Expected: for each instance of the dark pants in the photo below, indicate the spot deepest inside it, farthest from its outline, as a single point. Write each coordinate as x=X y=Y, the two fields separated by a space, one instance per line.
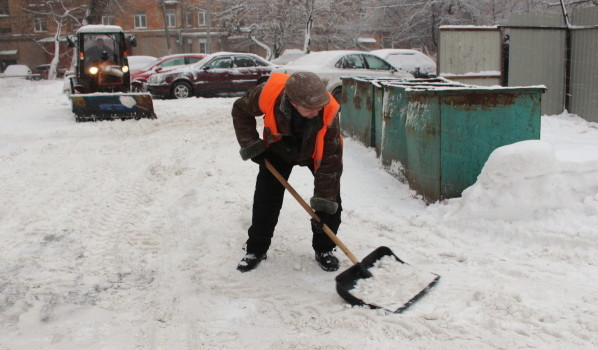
x=267 y=202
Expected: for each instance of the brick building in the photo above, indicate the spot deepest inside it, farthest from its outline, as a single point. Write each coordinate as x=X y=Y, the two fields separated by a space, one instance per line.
x=161 y=26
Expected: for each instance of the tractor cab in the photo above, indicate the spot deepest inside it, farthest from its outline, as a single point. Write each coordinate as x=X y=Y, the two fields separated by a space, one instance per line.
x=102 y=59
x=102 y=67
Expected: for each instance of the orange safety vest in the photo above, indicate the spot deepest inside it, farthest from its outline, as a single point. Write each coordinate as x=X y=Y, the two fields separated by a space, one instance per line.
x=270 y=93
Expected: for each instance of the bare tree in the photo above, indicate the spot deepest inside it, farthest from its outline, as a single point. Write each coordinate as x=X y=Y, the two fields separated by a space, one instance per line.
x=310 y=9
x=164 y=18
x=97 y=8
x=63 y=13
x=276 y=25
x=339 y=24
x=268 y=24
x=415 y=22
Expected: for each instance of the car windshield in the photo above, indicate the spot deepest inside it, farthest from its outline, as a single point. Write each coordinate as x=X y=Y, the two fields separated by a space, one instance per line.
x=411 y=61
x=313 y=59
x=149 y=65
x=351 y=62
x=174 y=61
x=220 y=62
x=376 y=63
x=201 y=62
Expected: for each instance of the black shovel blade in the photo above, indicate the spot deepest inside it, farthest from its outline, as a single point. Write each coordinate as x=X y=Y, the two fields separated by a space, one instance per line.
x=346 y=281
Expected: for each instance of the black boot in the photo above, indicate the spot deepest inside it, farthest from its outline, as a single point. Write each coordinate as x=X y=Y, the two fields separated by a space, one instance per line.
x=250 y=261
x=327 y=261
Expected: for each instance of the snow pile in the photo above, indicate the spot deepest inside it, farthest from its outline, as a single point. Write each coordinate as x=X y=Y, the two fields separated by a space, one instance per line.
x=392 y=285
x=126 y=235
x=526 y=180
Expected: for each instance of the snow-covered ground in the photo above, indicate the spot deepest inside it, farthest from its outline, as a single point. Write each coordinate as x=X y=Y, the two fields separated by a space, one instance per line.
x=126 y=235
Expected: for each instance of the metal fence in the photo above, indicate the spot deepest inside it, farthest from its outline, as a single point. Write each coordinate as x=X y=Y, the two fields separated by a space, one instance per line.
x=471 y=54
x=535 y=49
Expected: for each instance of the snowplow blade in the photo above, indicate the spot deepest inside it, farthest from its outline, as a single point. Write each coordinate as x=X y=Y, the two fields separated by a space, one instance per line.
x=103 y=106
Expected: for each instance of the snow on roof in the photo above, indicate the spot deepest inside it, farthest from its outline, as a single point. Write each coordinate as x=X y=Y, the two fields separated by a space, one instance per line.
x=96 y=28
x=489 y=73
x=438 y=84
x=469 y=27
x=367 y=40
x=317 y=58
x=51 y=39
x=8 y=52
x=292 y=52
x=396 y=51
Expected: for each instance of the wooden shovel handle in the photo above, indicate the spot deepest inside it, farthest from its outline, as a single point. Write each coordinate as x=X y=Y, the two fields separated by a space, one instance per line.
x=310 y=211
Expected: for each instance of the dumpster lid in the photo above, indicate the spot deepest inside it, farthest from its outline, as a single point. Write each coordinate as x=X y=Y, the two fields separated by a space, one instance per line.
x=460 y=88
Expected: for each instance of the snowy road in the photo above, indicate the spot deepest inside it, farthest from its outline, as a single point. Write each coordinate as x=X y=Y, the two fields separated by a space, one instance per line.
x=127 y=234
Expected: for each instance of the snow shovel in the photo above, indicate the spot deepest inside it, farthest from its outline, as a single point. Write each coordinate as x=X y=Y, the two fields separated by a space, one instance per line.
x=347 y=281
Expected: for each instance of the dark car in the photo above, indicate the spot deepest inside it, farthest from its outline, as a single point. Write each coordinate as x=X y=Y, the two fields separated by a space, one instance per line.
x=44 y=69
x=162 y=65
x=218 y=74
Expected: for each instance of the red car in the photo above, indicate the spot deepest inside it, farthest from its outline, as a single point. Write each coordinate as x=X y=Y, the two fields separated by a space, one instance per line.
x=218 y=74
x=163 y=64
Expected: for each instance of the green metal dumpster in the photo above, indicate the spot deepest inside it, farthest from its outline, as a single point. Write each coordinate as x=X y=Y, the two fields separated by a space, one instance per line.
x=363 y=102
x=358 y=107
x=442 y=136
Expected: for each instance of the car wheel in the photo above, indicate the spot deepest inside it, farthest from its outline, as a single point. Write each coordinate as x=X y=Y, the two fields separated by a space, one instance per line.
x=181 y=90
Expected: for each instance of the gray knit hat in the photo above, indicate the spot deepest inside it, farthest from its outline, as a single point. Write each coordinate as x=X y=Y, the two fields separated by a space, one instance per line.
x=307 y=90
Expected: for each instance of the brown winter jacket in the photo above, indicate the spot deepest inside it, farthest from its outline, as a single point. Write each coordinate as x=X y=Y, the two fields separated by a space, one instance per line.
x=327 y=177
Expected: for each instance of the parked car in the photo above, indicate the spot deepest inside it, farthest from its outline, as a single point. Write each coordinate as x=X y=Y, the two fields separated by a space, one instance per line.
x=162 y=65
x=44 y=69
x=412 y=61
x=330 y=66
x=19 y=71
x=136 y=63
x=218 y=74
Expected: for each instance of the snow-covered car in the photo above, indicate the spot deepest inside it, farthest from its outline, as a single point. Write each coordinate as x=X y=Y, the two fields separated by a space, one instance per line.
x=330 y=66
x=136 y=63
x=412 y=61
x=19 y=71
x=162 y=65
x=218 y=74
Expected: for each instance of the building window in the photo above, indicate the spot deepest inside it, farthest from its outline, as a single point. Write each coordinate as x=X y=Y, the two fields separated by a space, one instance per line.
x=189 y=47
x=40 y=24
x=4 y=7
x=108 y=20
x=189 y=18
x=140 y=19
x=203 y=46
x=171 y=18
x=201 y=18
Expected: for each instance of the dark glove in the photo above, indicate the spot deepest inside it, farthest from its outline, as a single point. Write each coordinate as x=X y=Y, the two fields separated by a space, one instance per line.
x=267 y=154
x=318 y=227
x=259 y=159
